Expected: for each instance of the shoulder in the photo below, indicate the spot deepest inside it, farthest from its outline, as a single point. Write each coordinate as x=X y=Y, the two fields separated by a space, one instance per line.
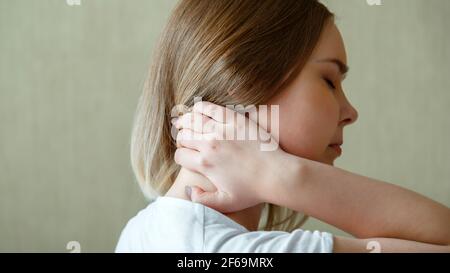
x=165 y=225
x=130 y=239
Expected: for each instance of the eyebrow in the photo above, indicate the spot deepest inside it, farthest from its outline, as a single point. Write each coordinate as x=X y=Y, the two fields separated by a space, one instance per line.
x=343 y=68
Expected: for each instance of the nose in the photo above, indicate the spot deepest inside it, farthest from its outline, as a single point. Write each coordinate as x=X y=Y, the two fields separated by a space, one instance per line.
x=349 y=114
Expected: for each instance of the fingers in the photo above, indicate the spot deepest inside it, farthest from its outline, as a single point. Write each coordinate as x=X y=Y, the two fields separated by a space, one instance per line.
x=204 y=112
x=193 y=140
x=214 y=111
x=207 y=117
x=188 y=158
x=229 y=117
x=216 y=200
x=197 y=122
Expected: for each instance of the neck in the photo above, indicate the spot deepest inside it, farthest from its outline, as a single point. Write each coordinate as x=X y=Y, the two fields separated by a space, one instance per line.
x=249 y=217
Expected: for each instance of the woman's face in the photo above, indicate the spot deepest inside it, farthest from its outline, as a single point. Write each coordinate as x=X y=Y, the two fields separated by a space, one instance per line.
x=313 y=109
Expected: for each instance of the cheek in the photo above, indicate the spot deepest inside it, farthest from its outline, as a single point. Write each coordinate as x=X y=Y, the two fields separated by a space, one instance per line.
x=307 y=126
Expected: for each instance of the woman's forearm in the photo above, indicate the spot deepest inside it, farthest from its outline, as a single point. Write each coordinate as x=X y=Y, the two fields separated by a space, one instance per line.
x=359 y=205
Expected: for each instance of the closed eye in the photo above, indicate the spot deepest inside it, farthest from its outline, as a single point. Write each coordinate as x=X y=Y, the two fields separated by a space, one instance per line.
x=330 y=83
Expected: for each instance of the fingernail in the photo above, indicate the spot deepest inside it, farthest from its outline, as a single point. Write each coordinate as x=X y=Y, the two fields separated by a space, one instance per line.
x=188 y=191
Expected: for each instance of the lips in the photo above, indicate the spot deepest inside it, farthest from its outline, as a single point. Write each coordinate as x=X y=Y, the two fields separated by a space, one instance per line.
x=337 y=148
x=337 y=143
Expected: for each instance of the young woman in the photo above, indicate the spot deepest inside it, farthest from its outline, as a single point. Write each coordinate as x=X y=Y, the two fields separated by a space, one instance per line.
x=264 y=52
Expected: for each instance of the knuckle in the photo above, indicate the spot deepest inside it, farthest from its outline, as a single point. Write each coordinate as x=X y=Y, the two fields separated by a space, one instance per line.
x=183 y=135
x=211 y=149
x=213 y=144
x=203 y=162
x=198 y=106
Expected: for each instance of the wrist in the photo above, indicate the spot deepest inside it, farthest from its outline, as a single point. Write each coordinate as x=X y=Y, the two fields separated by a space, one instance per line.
x=286 y=179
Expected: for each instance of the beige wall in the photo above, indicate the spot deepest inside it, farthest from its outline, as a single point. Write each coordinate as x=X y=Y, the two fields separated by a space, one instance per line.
x=69 y=81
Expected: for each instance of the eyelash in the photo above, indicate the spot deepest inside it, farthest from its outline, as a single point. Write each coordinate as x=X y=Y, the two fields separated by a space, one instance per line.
x=330 y=83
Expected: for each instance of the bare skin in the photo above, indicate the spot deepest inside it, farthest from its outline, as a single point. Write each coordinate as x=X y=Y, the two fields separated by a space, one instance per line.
x=316 y=105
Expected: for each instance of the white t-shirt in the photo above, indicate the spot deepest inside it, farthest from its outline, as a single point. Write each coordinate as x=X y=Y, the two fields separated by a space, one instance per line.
x=171 y=224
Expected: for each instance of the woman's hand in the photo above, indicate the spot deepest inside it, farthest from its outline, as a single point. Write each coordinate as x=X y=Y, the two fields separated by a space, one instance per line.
x=242 y=172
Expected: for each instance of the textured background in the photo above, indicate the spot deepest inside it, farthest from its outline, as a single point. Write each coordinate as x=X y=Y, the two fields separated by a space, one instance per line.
x=70 y=77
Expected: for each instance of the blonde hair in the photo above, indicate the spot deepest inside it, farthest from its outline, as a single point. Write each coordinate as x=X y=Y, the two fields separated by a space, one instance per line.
x=227 y=52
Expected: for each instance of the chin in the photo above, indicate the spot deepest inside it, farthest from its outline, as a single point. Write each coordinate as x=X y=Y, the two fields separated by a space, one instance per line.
x=327 y=161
